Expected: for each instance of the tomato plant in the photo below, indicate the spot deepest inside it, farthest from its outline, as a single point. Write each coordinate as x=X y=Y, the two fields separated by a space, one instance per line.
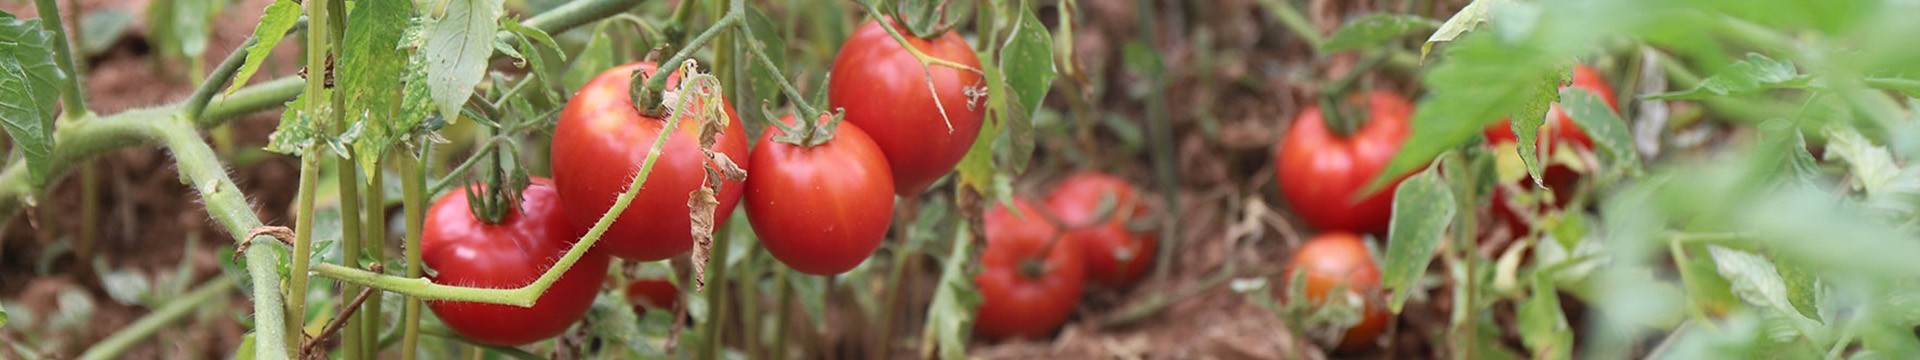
x=465 y=250
x=600 y=143
x=1115 y=253
x=652 y=294
x=923 y=130
x=1030 y=279
x=1333 y=261
x=1320 y=172
x=1557 y=134
x=819 y=208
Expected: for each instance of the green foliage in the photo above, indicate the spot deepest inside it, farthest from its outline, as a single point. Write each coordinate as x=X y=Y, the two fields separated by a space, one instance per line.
x=1601 y=124
x=371 y=68
x=1027 y=63
x=1467 y=19
x=1756 y=73
x=597 y=56
x=280 y=17
x=1374 y=30
x=29 y=89
x=300 y=130
x=1422 y=208
x=458 y=45
x=950 y=317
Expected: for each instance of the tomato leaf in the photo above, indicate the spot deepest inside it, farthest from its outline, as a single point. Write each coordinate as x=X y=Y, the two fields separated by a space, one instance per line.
x=950 y=316
x=1871 y=166
x=1422 y=208
x=1602 y=125
x=191 y=20
x=612 y=318
x=1803 y=287
x=102 y=27
x=458 y=46
x=299 y=130
x=597 y=56
x=766 y=36
x=371 y=67
x=3 y=315
x=1375 y=30
x=1467 y=19
x=1482 y=79
x=279 y=18
x=1756 y=73
x=1755 y=280
x=976 y=168
x=29 y=91
x=1026 y=63
x=1538 y=96
x=1543 y=325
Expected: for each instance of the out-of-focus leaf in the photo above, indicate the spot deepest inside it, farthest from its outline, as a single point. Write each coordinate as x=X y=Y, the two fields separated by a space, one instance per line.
x=125 y=286
x=370 y=72
x=1756 y=73
x=102 y=27
x=1026 y=62
x=1754 y=278
x=766 y=36
x=613 y=319
x=1467 y=19
x=1543 y=325
x=1602 y=125
x=245 y=350
x=191 y=20
x=1539 y=95
x=3 y=315
x=950 y=317
x=1803 y=288
x=1422 y=208
x=1375 y=30
x=273 y=26
x=29 y=84
x=458 y=46
x=1483 y=79
x=597 y=56
x=1871 y=167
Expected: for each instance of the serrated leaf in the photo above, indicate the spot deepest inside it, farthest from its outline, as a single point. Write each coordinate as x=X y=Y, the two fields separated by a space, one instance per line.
x=1375 y=30
x=1483 y=79
x=1870 y=165
x=1538 y=96
x=299 y=129
x=592 y=59
x=457 y=49
x=1601 y=124
x=766 y=36
x=370 y=72
x=278 y=18
x=1467 y=19
x=29 y=84
x=1754 y=279
x=1026 y=62
x=1756 y=73
x=1422 y=208
x=950 y=316
x=1803 y=287
x=1543 y=325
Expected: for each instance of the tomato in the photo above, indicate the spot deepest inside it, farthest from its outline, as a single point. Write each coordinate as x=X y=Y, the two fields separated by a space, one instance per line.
x=598 y=147
x=1320 y=172
x=1115 y=255
x=652 y=294
x=884 y=90
x=467 y=251
x=1558 y=178
x=1339 y=259
x=1026 y=289
x=1561 y=128
x=821 y=209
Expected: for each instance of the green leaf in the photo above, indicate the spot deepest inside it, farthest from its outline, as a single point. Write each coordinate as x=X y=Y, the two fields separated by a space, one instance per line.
x=1375 y=30
x=1871 y=166
x=612 y=318
x=299 y=130
x=597 y=56
x=1602 y=125
x=1467 y=19
x=457 y=49
x=1538 y=96
x=273 y=26
x=1543 y=325
x=245 y=350
x=766 y=36
x=533 y=35
x=371 y=67
x=1754 y=279
x=1803 y=287
x=103 y=27
x=1026 y=62
x=950 y=316
x=29 y=90
x=1422 y=208
x=976 y=168
x=191 y=19
x=1482 y=79
x=1756 y=73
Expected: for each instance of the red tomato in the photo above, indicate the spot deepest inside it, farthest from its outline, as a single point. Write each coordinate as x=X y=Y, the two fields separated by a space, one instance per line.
x=598 y=147
x=821 y=209
x=1115 y=255
x=1320 y=172
x=466 y=251
x=652 y=294
x=1027 y=290
x=1341 y=260
x=1559 y=179
x=884 y=90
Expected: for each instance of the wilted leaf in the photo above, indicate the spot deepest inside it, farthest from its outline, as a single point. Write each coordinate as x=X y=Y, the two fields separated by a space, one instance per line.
x=1375 y=30
x=273 y=26
x=458 y=46
x=1422 y=208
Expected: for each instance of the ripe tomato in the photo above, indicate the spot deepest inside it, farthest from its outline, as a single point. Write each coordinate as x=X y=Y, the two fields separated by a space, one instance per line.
x=467 y=251
x=884 y=90
x=821 y=209
x=652 y=294
x=1115 y=256
x=598 y=147
x=1341 y=260
x=1561 y=129
x=1320 y=172
x=1027 y=290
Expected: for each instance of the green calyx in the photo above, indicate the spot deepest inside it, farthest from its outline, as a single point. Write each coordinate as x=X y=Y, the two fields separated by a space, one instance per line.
x=808 y=133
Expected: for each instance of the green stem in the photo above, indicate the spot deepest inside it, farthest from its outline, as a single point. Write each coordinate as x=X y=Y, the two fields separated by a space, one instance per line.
x=375 y=240
x=901 y=261
x=117 y=344
x=784 y=297
x=1160 y=131
x=229 y=207
x=807 y=111
x=349 y=182
x=1295 y=22
x=302 y=246
x=71 y=96
x=412 y=179
x=453 y=177
x=655 y=107
x=716 y=297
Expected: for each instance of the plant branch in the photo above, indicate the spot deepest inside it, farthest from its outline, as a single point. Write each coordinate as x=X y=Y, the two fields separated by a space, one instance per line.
x=658 y=83
x=71 y=96
x=412 y=174
x=117 y=344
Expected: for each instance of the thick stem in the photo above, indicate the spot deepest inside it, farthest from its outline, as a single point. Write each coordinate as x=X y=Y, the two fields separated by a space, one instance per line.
x=302 y=247
x=784 y=297
x=71 y=96
x=349 y=182
x=89 y=219
x=117 y=344
x=375 y=240
x=229 y=207
x=412 y=181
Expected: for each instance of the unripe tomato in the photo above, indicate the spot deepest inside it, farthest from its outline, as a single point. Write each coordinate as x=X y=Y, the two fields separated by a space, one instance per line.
x=884 y=90
x=1116 y=256
x=466 y=251
x=1337 y=259
x=1560 y=129
x=821 y=209
x=652 y=294
x=1026 y=289
x=598 y=147
x=1320 y=172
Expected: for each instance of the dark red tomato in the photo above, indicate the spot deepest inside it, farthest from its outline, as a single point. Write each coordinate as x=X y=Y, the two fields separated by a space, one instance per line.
x=1559 y=179
x=1027 y=289
x=1562 y=128
x=1320 y=172
x=1338 y=259
x=657 y=294
x=598 y=147
x=1115 y=255
x=466 y=251
x=884 y=90
x=821 y=209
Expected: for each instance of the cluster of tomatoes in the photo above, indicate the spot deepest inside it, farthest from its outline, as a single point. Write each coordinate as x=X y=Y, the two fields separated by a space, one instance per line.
x=1320 y=174
x=820 y=202
x=1039 y=258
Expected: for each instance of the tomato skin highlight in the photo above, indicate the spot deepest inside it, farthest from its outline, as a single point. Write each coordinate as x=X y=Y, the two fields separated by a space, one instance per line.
x=466 y=251
x=1116 y=257
x=1014 y=304
x=1338 y=259
x=884 y=90
x=1320 y=172
x=599 y=145
x=652 y=294
x=824 y=209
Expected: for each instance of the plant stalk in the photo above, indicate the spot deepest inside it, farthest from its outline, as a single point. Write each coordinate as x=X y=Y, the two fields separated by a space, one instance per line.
x=72 y=97
x=374 y=240
x=412 y=180
x=349 y=182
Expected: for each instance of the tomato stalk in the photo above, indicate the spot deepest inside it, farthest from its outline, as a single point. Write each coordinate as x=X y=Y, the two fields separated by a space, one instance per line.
x=375 y=243
x=73 y=99
x=349 y=182
x=783 y=310
x=413 y=174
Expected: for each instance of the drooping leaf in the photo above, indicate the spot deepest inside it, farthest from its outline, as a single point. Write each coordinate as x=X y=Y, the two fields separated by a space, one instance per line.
x=1026 y=62
x=1423 y=206
x=1537 y=97
x=1374 y=30
x=950 y=317
x=458 y=46
x=1756 y=73
x=279 y=17
x=371 y=66
x=29 y=84
x=1602 y=125
x=1467 y=19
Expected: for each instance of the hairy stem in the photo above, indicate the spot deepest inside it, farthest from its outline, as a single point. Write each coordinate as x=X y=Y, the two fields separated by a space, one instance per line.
x=228 y=206
x=302 y=245
x=658 y=83
x=71 y=96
